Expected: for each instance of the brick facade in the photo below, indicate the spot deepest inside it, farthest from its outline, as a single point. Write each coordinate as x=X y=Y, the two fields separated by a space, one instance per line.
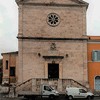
x=94 y=65
x=10 y=61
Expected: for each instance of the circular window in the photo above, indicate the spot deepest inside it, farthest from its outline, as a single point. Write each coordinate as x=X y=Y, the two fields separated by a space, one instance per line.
x=53 y=19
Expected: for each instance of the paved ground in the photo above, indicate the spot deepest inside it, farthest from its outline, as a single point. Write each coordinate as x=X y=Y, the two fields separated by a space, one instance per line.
x=61 y=98
x=3 y=97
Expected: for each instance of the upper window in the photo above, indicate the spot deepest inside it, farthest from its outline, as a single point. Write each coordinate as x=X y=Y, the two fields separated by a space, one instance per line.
x=6 y=64
x=53 y=19
x=96 y=55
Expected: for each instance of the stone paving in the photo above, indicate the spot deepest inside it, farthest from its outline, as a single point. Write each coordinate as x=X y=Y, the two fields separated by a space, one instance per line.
x=21 y=98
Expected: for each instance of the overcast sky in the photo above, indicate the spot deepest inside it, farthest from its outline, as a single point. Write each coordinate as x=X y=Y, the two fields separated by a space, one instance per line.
x=9 y=23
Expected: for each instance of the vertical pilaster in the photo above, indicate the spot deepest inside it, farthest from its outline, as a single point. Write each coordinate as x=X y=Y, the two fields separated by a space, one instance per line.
x=60 y=71
x=46 y=70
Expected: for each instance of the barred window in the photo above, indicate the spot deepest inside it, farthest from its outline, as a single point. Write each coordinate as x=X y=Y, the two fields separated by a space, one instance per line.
x=96 y=55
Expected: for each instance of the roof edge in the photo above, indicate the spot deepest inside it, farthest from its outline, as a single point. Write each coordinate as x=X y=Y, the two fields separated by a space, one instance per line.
x=16 y=52
x=79 y=2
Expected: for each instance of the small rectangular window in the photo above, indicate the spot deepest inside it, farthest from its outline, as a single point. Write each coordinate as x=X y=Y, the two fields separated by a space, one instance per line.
x=96 y=55
x=6 y=64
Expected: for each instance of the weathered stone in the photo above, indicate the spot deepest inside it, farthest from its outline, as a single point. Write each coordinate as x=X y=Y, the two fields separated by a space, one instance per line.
x=36 y=37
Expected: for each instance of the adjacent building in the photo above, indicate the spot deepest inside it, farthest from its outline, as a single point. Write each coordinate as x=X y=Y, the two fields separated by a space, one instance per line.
x=94 y=62
x=1 y=73
x=10 y=67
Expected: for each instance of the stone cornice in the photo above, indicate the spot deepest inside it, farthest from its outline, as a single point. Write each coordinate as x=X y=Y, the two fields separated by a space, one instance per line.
x=93 y=41
x=46 y=38
x=16 y=52
x=53 y=57
x=77 y=3
x=55 y=4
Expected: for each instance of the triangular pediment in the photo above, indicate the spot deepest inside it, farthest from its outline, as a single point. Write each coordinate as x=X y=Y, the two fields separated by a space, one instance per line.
x=65 y=2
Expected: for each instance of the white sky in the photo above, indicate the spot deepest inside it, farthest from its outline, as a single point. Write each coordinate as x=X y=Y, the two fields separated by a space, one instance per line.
x=9 y=23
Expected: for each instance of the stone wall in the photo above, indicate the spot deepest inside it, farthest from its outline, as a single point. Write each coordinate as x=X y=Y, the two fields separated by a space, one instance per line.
x=33 y=22
x=73 y=65
x=36 y=39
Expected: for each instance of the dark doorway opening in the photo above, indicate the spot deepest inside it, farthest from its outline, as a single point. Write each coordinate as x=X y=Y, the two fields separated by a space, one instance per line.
x=53 y=71
x=12 y=71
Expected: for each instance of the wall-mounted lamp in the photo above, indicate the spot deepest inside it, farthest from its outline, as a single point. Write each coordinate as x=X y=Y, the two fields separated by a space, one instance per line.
x=39 y=54
x=66 y=55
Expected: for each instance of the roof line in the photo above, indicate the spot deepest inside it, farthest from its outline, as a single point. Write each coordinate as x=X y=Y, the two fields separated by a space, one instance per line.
x=16 y=52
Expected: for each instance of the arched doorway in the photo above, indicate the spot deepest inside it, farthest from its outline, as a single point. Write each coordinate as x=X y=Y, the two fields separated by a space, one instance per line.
x=97 y=83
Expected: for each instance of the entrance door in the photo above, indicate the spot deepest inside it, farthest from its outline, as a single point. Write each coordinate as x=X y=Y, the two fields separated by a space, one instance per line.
x=53 y=71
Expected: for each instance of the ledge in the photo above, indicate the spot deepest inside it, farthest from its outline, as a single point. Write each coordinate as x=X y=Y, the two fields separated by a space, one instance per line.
x=46 y=38
x=53 y=57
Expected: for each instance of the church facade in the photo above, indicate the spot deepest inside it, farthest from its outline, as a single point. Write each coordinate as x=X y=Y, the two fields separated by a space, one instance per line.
x=52 y=41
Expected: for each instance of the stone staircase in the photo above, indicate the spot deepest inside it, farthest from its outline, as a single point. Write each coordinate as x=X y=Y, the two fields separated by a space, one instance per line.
x=59 y=84
x=34 y=86
x=25 y=86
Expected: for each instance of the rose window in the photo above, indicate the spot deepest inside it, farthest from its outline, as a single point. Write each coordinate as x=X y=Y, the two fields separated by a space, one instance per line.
x=53 y=19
